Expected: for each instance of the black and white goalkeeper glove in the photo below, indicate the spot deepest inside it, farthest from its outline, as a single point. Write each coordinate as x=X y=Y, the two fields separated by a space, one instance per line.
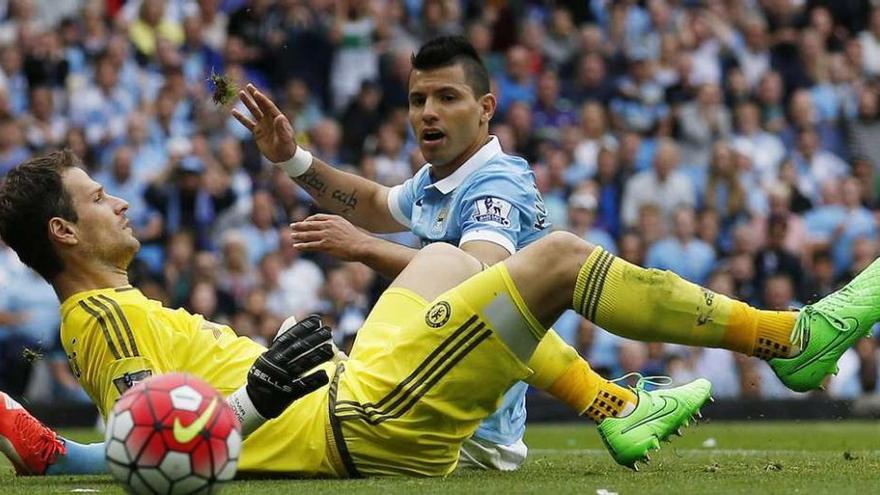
x=277 y=378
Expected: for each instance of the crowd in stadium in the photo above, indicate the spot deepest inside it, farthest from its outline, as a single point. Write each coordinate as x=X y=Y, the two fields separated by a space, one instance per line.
x=736 y=143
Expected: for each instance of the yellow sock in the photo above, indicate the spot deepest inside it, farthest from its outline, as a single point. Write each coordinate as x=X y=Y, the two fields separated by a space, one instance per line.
x=612 y=400
x=560 y=371
x=550 y=360
x=654 y=305
x=759 y=333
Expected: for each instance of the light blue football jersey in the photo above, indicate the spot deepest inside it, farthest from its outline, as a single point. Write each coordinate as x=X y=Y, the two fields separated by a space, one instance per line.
x=491 y=197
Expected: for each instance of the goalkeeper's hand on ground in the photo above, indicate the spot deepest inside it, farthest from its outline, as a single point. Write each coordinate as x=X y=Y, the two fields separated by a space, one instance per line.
x=278 y=377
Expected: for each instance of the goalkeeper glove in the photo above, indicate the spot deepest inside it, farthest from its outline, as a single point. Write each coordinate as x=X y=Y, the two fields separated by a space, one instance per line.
x=276 y=378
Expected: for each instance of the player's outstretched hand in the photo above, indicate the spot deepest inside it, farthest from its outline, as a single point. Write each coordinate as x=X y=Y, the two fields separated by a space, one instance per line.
x=329 y=234
x=278 y=377
x=271 y=129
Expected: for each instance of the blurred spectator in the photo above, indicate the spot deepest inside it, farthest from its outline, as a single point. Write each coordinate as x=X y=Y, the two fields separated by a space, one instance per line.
x=102 y=109
x=774 y=258
x=870 y=43
x=236 y=275
x=770 y=95
x=764 y=148
x=725 y=192
x=14 y=79
x=814 y=165
x=186 y=203
x=840 y=220
x=594 y=135
x=581 y=217
x=214 y=22
x=355 y=60
x=44 y=127
x=663 y=185
x=299 y=281
x=591 y=82
x=517 y=82
x=683 y=252
x=639 y=105
x=551 y=112
x=863 y=131
x=779 y=294
x=153 y=24
x=360 y=119
x=701 y=122
x=300 y=107
x=12 y=145
x=609 y=185
x=44 y=63
x=392 y=167
x=344 y=305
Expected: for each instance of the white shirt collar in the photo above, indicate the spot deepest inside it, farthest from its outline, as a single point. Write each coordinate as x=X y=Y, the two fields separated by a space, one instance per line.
x=483 y=155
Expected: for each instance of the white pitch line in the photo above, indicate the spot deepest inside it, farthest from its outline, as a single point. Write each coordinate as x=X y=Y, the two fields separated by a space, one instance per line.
x=700 y=451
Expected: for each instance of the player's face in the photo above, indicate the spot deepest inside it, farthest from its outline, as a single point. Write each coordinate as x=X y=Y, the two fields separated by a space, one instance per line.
x=449 y=121
x=102 y=229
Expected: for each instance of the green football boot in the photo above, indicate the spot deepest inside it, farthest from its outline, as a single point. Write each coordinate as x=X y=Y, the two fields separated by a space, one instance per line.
x=826 y=329
x=658 y=414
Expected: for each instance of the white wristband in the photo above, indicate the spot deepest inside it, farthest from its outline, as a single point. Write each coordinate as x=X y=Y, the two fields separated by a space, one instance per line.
x=297 y=164
x=245 y=411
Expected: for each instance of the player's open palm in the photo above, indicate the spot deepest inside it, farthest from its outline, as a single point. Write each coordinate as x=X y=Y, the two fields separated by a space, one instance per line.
x=271 y=129
x=330 y=234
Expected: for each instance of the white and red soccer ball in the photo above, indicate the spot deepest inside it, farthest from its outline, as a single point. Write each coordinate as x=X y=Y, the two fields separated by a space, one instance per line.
x=172 y=434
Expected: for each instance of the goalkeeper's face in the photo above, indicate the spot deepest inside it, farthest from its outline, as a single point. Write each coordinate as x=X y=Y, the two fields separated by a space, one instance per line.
x=102 y=230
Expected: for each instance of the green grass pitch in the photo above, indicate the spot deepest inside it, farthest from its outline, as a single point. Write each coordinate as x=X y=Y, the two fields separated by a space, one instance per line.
x=748 y=458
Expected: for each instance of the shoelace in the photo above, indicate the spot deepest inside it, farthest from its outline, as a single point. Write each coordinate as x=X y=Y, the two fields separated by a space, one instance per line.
x=658 y=380
x=801 y=331
x=42 y=442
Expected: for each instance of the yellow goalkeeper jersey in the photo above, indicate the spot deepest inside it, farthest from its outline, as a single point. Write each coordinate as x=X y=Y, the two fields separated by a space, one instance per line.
x=116 y=337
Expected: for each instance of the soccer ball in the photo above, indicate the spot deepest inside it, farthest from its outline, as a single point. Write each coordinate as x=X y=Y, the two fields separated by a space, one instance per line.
x=172 y=434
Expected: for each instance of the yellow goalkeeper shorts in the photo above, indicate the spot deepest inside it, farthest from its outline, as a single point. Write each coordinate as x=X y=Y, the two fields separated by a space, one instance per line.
x=422 y=376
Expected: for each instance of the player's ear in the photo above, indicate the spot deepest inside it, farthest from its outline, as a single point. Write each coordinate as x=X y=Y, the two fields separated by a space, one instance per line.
x=487 y=104
x=62 y=231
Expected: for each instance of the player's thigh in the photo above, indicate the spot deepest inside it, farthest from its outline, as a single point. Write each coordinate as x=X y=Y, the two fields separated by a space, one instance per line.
x=406 y=406
x=437 y=268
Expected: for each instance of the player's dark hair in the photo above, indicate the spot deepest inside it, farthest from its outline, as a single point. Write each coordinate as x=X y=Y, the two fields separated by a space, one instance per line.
x=31 y=194
x=446 y=51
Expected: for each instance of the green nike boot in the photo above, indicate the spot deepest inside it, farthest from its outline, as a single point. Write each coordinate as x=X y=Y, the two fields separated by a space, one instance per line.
x=658 y=414
x=825 y=330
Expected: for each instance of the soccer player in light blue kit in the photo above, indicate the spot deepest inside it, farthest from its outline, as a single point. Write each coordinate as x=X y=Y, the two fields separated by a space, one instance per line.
x=471 y=194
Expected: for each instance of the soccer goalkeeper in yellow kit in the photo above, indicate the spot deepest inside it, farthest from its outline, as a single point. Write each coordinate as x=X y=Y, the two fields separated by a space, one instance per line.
x=432 y=360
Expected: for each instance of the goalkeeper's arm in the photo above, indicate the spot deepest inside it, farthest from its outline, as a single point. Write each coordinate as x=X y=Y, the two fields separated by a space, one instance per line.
x=276 y=378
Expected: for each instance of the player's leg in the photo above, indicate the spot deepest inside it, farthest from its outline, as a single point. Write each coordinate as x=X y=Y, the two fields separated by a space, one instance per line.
x=630 y=427
x=34 y=449
x=562 y=271
x=497 y=444
x=558 y=369
x=419 y=385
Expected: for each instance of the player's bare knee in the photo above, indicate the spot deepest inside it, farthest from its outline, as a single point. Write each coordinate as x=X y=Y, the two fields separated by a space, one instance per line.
x=564 y=253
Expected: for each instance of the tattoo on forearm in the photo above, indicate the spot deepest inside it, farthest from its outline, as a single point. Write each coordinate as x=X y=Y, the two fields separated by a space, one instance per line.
x=312 y=180
x=348 y=200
